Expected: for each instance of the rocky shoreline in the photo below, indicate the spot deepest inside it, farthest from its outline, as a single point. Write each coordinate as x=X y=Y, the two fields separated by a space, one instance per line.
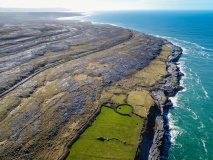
x=156 y=143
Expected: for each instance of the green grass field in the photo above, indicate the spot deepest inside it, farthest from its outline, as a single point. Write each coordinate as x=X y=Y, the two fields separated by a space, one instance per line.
x=108 y=124
x=124 y=109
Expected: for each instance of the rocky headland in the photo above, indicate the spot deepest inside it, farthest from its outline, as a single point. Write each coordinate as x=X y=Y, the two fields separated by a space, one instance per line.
x=55 y=77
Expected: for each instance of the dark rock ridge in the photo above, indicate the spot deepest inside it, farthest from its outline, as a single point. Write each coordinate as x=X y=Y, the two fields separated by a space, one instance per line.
x=156 y=143
x=52 y=76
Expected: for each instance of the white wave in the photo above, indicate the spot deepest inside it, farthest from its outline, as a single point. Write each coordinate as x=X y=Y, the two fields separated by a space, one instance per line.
x=185 y=50
x=201 y=126
x=174 y=134
x=198 y=97
x=191 y=43
x=177 y=145
x=205 y=92
x=174 y=100
x=175 y=130
x=182 y=69
x=204 y=145
x=195 y=48
x=211 y=120
x=199 y=82
x=195 y=117
x=207 y=135
x=204 y=48
x=203 y=53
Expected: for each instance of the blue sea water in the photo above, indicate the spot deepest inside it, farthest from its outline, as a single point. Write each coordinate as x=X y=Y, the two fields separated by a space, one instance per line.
x=191 y=120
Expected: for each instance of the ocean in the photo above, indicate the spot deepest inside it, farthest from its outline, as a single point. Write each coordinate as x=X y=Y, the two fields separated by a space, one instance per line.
x=191 y=120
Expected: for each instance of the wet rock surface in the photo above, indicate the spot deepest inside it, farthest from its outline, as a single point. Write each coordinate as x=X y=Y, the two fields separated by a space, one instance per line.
x=52 y=78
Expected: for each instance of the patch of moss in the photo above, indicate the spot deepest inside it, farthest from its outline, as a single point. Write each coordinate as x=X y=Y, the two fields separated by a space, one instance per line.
x=141 y=102
x=141 y=111
x=149 y=101
x=119 y=98
x=137 y=97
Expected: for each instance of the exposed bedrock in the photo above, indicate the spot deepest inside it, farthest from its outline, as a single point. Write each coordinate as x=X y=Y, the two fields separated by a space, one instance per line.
x=52 y=77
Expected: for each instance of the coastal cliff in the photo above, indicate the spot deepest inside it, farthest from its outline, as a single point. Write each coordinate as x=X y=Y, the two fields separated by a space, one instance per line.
x=156 y=139
x=55 y=77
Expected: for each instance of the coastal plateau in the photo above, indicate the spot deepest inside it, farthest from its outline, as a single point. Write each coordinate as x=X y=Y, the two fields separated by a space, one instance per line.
x=67 y=84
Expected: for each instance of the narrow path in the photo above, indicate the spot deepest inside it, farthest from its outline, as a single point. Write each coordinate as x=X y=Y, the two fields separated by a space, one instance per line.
x=73 y=57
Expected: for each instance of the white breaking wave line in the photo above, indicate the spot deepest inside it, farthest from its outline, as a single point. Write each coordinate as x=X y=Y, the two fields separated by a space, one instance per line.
x=198 y=80
x=186 y=42
x=205 y=92
x=201 y=125
x=204 y=145
x=195 y=117
x=175 y=130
